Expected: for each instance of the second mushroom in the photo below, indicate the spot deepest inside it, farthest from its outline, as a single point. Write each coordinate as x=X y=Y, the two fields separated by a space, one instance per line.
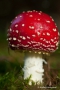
x=35 y=33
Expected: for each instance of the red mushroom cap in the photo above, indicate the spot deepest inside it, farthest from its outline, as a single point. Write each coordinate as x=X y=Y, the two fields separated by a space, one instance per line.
x=33 y=30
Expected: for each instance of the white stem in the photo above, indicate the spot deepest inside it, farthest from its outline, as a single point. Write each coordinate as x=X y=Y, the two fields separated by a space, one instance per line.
x=33 y=66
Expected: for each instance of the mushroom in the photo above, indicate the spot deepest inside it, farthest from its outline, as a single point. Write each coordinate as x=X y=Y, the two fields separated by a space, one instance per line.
x=35 y=33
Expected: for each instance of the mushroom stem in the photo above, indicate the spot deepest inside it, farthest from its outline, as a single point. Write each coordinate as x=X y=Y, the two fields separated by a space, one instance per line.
x=33 y=66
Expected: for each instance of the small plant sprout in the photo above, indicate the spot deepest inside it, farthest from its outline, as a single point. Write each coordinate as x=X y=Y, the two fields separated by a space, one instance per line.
x=35 y=33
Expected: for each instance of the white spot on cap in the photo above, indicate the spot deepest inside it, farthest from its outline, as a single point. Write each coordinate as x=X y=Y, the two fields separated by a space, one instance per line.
x=20 y=15
x=57 y=43
x=20 y=36
x=38 y=33
x=39 y=13
x=36 y=45
x=47 y=45
x=33 y=42
x=44 y=45
x=43 y=33
x=41 y=38
x=48 y=34
x=13 y=30
x=33 y=10
x=19 y=40
x=15 y=17
x=52 y=45
x=58 y=34
x=36 y=11
x=25 y=45
x=24 y=38
x=29 y=11
x=10 y=29
x=50 y=16
x=23 y=25
x=47 y=41
x=31 y=27
x=41 y=44
x=44 y=39
x=29 y=42
x=52 y=19
x=33 y=35
x=10 y=38
x=38 y=19
x=30 y=15
x=48 y=21
x=55 y=38
x=55 y=25
x=49 y=49
x=23 y=11
x=16 y=25
x=54 y=29
x=13 y=45
x=14 y=38
x=16 y=31
x=41 y=27
x=52 y=40
x=28 y=37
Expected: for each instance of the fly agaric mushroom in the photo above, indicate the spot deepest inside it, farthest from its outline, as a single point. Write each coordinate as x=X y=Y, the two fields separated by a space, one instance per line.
x=35 y=33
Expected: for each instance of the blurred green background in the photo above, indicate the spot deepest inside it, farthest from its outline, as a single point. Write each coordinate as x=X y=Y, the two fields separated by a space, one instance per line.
x=8 y=10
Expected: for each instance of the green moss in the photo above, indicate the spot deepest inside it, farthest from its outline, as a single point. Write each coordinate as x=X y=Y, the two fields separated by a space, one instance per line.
x=13 y=80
